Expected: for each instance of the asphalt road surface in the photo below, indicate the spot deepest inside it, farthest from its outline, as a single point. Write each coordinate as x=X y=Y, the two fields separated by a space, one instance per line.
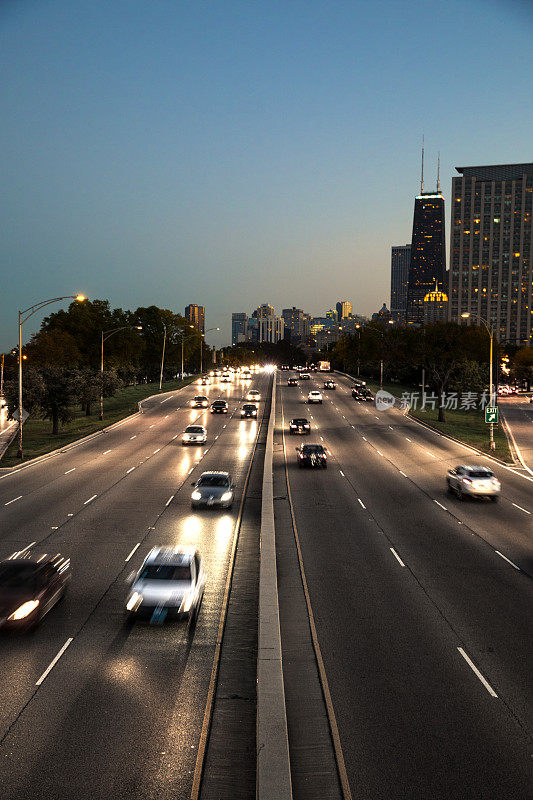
x=422 y=603
x=119 y=713
x=518 y=413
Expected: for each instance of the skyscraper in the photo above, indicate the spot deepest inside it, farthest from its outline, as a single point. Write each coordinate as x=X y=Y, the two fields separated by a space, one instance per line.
x=293 y=319
x=270 y=327
x=195 y=315
x=428 y=256
x=239 y=327
x=344 y=309
x=491 y=248
x=399 y=277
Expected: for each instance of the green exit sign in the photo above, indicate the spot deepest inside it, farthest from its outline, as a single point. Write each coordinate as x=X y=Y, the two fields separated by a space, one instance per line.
x=491 y=415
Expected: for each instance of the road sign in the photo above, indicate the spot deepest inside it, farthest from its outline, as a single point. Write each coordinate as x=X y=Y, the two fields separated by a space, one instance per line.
x=25 y=415
x=491 y=415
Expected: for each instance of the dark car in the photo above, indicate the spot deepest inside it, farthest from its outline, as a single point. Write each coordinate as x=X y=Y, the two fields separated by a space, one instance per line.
x=292 y=382
x=357 y=394
x=304 y=376
x=30 y=585
x=366 y=394
x=249 y=410
x=219 y=407
x=299 y=425
x=312 y=455
x=330 y=385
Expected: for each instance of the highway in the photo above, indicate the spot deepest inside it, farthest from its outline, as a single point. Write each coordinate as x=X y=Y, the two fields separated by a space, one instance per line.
x=90 y=707
x=422 y=606
x=517 y=411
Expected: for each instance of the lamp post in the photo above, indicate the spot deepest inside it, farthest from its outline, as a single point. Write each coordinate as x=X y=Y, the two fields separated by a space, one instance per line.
x=163 y=357
x=105 y=336
x=23 y=316
x=490 y=331
x=183 y=337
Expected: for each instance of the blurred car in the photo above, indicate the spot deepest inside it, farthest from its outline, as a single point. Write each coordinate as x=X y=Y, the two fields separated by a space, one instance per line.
x=304 y=376
x=473 y=481
x=169 y=585
x=219 y=407
x=246 y=375
x=314 y=397
x=299 y=425
x=356 y=393
x=226 y=377
x=194 y=434
x=200 y=401
x=213 y=489
x=330 y=385
x=31 y=583
x=292 y=382
x=249 y=410
x=218 y=373
x=253 y=394
x=312 y=455
x=206 y=380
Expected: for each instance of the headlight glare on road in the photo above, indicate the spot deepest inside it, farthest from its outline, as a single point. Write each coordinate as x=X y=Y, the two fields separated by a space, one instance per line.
x=225 y=497
x=24 y=610
x=196 y=495
x=134 y=602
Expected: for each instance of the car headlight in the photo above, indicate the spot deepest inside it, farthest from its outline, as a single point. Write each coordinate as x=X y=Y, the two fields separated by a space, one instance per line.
x=24 y=610
x=186 y=437
x=225 y=497
x=134 y=602
x=204 y=404
x=196 y=495
x=187 y=602
x=243 y=413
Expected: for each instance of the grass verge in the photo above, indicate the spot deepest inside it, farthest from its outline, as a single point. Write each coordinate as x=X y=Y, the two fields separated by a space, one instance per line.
x=38 y=438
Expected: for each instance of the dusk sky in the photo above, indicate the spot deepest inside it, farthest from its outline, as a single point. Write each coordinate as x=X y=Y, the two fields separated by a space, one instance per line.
x=236 y=153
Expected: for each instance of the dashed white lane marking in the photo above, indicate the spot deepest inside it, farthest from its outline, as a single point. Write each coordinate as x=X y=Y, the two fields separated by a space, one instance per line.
x=133 y=437
x=361 y=502
x=191 y=469
x=440 y=505
x=430 y=454
x=473 y=667
x=223 y=426
x=509 y=561
x=132 y=552
x=216 y=437
x=170 y=499
x=397 y=557
x=390 y=426
x=156 y=451
x=342 y=473
x=165 y=400
x=54 y=527
x=365 y=439
x=14 y=500
x=408 y=439
x=70 y=515
x=376 y=417
x=129 y=470
x=174 y=437
x=522 y=509
x=151 y=426
x=106 y=452
x=90 y=499
x=353 y=426
x=379 y=453
x=167 y=416
x=70 y=470
x=321 y=438
x=402 y=473
x=54 y=661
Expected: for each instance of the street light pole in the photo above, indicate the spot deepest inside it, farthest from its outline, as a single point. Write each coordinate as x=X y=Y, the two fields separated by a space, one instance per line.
x=163 y=357
x=23 y=316
x=490 y=331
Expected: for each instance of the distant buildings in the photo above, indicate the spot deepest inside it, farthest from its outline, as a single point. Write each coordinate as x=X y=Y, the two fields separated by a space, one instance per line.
x=383 y=315
x=344 y=309
x=400 y=260
x=239 y=327
x=296 y=325
x=435 y=306
x=270 y=327
x=491 y=245
x=195 y=315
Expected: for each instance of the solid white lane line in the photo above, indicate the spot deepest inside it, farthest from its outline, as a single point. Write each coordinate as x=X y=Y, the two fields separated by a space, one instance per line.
x=132 y=552
x=129 y=470
x=379 y=453
x=408 y=439
x=170 y=499
x=106 y=452
x=440 y=505
x=14 y=500
x=342 y=473
x=361 y=502
x=430 y=454
x=133 y=437
x=156 y=451
x=70 y=470
x=90 y=499
x=397 y=557
x=54 y=661
x=485 y=683
x=522 y=509
x=508 y=561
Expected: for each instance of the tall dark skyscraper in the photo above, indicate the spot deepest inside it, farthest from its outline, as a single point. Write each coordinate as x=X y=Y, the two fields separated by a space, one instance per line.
x=428 y=254
x=399 y=278
x=491 y=249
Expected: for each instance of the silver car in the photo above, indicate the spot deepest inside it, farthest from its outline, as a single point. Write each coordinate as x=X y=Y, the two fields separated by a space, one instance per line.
x=170 y=584
x=194 y=434
x=473 y=481
x=213 y=489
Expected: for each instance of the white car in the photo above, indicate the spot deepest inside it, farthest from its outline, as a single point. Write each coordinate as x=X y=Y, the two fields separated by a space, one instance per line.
x=200 y=401
x=246 y=375
x=314 y=397
x=194 y=434
x=253 y=394
x=473 y=481
x=170 y=584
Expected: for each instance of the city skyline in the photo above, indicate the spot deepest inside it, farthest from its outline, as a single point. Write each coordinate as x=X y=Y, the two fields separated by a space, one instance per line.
x=180 y=152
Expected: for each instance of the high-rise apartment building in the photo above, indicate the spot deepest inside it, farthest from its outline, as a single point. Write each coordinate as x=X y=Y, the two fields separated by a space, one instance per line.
x=195 y=315
x=293 y=319
x=239 y=327
x=490 y=249
x=399 y=277
x=344 y=309
x=269 y=326
x=428 y=254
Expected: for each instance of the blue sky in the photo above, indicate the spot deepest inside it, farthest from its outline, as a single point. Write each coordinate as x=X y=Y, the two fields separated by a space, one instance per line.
x=235 y=153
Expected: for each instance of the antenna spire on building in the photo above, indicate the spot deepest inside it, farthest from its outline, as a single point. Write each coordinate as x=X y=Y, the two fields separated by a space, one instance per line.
x=438 y=174
x=422 y=175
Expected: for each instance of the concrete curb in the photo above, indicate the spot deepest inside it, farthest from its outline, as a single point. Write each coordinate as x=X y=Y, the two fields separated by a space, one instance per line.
x=273 y=780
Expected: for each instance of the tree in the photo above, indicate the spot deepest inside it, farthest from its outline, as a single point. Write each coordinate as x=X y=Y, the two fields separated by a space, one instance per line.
x=61 y=392
x=53 y=347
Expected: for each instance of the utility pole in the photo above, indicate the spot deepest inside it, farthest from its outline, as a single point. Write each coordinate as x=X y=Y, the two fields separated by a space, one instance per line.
x=163 y=357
